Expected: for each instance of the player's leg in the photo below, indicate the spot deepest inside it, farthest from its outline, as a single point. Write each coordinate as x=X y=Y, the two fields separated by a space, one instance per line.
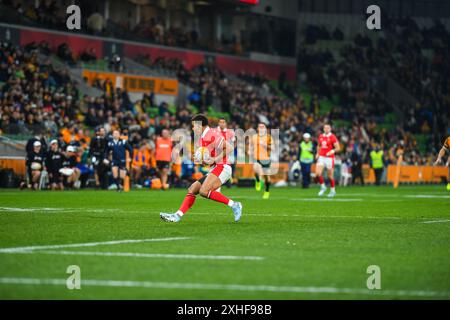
x=218 y=176
x=319 y=174
x=76 y=178
x=330 y=173
x=54 y=180
x=103 y=175
x=267 y=182
x=36 y=176
x=60 y=183
x=448 y=177
x=115 y=175
x=307 y=177
x=71 y=180
x=96 y=176
x=136 y=175
x=122 y=175
x=257 y=169
x=188 y=202
x=164 y=175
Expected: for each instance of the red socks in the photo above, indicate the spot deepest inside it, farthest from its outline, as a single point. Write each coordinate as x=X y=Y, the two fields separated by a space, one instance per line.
x=217 y=196
x=332 y=183
x=322 y=181
x=188 y=202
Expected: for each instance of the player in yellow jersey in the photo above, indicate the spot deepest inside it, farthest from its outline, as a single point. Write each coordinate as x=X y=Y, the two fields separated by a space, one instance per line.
x=445 y=148
x=260 y=148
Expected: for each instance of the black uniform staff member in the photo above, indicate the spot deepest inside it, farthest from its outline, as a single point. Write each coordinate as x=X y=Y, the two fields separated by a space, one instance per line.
x=54 y=163
x=30 y=145
x=97 y=154
x=35 y=165
x=117 y=148
x=70 y=170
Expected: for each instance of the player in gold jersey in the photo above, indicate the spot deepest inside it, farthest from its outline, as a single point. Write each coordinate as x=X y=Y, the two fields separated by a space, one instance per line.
x=260 y=148
x=445 y=148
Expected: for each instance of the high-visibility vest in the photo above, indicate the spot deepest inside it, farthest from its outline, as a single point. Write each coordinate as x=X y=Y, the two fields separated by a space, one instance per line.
x=306 y=155
x=377 y=159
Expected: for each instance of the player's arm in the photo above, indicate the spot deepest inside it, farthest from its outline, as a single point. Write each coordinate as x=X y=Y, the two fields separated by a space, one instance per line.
x=221 y=150
x=130 y=151
x=250 y=147
x=228 y=148
x=336 y=149
x=91 y=148
x=106 y=155
x=318 y=151
x=440 y=155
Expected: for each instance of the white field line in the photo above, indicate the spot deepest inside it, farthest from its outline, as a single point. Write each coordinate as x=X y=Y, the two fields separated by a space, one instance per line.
x=88 y=244
x=226 y=287
x=145 y=255
x=436 y=221
x=300 y=215
x=373 y=194
x=427 y=196
x=14 y=209
x=324 y=199
x=52 y=210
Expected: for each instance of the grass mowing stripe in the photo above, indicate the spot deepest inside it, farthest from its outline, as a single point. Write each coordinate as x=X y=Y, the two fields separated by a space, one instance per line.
x=231 y=287
x=88 y=244
x=144 y=255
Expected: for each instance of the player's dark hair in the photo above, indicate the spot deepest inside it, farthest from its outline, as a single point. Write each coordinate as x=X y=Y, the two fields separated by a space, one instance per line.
x=265 y=125
x=200 y=117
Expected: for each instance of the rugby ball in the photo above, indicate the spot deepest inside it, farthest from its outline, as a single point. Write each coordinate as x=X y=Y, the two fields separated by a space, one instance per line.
x=202 y=154
x=36 y=166
x=66 y=171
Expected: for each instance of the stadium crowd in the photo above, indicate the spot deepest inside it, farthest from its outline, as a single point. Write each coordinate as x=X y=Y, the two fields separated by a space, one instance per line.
x=51 y=14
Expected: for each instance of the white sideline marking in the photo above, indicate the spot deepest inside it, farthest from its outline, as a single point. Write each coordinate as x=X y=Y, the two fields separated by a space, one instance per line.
x=301 y=215
x=12 y=209
x=51 y=210
x=87 y=244
x=146 y=255
x=324 y=199
x=436 y=221
x=231 y=287
x=427 y=196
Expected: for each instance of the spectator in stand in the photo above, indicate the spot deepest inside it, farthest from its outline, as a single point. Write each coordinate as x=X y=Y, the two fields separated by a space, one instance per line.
x=96 y=23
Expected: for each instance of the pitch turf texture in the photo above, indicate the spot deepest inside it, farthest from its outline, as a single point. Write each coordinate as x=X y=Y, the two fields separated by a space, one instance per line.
x=293 y=246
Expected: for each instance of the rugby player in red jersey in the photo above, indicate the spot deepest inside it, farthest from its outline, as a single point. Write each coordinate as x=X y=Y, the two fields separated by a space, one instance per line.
x=229 y=137
x=327 y=146
x=219 y=174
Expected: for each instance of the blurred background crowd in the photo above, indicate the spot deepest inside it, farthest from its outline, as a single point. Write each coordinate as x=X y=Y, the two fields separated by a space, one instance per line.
x=344 y=87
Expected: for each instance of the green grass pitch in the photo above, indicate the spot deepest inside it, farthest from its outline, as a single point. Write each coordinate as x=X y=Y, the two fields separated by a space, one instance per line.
x=293 y=246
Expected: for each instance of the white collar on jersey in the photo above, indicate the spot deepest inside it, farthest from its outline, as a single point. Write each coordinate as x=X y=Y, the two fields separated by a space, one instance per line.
x=327 y=134
x=205 y=132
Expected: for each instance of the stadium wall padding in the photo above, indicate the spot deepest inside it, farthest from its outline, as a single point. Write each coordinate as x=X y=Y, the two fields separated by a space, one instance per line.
x=76 y=43
x=408 y=174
